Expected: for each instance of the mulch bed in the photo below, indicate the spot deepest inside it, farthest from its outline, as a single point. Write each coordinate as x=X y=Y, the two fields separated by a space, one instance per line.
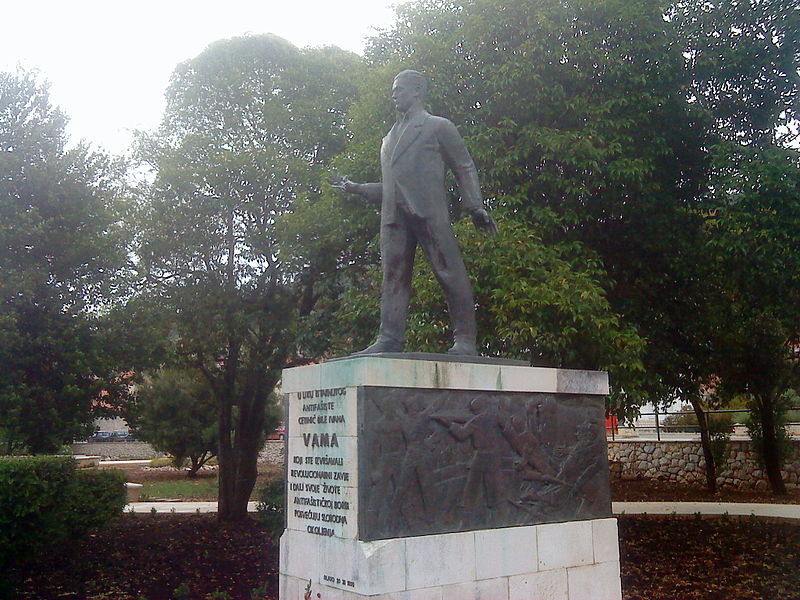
x=648 y=490
x=168 y=557
x=697 y=558
x=155 y=557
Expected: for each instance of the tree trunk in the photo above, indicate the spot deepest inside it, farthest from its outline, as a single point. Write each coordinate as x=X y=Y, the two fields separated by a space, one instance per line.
x=243 y=464
x=248 y=446
x=769 y=444
x=228 y=468
x=197 y=462
x=227 y=456
x=227 y=472
x=705 y=442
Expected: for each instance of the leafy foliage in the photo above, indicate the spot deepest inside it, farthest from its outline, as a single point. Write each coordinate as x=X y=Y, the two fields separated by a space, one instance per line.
x=743 y=57
x=45 y=503
x=753 y=220
x=542 y=303
x=61 y=251
x=176 y=412
x=249 y=127
x=271 y=506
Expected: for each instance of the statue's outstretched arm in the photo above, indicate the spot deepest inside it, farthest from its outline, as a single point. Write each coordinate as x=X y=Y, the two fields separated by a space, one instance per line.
x=371 y=191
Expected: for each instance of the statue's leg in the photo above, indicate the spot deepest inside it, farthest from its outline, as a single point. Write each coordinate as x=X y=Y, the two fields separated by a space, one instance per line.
x=398 y=245
x=442 y=250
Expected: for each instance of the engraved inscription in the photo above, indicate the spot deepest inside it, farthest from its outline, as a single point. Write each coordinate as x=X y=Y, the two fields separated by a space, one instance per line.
x=320 y=496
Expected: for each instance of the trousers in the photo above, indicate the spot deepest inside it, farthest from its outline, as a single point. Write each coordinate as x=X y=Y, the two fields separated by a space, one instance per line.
x=398 y=246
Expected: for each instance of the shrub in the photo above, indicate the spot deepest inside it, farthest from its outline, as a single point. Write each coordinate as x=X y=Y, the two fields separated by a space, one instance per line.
x=97 y=497
x=271 y=506
x=781 y=433
x=719 y=432
x=175 y=411
x=686 y=421
x=45 y=503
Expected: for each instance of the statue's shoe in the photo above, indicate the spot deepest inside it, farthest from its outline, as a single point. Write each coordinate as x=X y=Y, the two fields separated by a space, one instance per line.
x=462 y=348
x=378 y=348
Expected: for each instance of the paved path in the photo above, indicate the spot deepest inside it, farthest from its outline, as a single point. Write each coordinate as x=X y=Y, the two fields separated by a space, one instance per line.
x=784 y=511
x=178 y=507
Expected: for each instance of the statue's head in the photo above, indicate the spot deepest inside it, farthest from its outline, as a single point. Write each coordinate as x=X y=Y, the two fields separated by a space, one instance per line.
x=409 y=89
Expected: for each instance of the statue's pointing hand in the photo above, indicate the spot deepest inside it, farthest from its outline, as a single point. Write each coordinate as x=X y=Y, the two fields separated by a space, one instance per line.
x=484 y=222
x=343 y=183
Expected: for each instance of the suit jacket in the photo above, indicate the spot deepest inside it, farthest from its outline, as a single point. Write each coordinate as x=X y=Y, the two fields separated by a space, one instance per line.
x=413 y=160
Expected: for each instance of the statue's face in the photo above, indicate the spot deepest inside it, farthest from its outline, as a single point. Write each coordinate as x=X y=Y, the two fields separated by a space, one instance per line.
x=404 y=93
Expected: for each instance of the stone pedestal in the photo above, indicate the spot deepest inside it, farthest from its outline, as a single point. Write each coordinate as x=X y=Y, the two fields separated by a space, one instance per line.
x=420 y=477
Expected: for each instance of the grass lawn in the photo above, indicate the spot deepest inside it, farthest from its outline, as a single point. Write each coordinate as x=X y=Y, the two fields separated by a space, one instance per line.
x=167 y=483
x=185 y=489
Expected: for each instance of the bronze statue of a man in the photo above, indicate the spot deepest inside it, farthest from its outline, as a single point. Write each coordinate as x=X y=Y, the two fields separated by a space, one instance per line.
x=414 y=210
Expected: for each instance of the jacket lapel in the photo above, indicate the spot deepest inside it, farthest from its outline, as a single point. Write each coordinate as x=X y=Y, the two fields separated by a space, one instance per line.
x=387 y=147
x=410 y=133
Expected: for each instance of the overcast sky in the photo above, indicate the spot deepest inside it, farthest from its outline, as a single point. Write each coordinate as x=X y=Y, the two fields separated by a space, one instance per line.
x=109 y=61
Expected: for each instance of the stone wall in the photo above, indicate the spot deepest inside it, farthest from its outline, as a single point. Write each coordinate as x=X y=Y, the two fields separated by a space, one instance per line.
x=117 y=450
x=272 y=452
x=683 y=462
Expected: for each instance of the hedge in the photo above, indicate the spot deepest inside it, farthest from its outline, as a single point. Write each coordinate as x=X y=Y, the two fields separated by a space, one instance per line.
x=45 y=502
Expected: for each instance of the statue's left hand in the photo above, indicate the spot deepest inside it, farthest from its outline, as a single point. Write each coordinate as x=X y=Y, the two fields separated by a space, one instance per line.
x=484 y=222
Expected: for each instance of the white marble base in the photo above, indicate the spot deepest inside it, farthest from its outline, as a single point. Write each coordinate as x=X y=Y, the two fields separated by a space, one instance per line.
x=399 y=372
x=578 y=560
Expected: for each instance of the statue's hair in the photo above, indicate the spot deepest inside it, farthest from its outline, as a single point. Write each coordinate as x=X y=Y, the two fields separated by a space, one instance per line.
x=418 y=79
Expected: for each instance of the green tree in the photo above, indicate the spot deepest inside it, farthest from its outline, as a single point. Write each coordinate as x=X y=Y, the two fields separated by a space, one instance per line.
x=753 y=228
x=60 y=252
x=744 y=59
x=591 y=158
x=594 y=126
x=250 y=126
x=175 y=412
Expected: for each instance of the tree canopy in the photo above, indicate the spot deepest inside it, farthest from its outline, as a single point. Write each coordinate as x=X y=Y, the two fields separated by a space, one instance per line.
x=606 y=136
x=249 y=127
x=61 y=249
x=175 y=412
x=636 y=156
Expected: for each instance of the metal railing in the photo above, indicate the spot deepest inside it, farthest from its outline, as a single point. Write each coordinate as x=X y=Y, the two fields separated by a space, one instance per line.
x=613 y=427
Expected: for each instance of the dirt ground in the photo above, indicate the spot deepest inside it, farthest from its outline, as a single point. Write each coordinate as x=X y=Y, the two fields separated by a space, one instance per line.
x=188 y=557
x=159 y=557
x=647 y=490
